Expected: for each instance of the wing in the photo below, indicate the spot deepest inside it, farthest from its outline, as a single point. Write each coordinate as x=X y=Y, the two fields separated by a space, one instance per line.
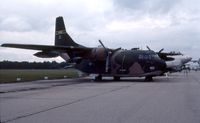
x=47 y=47
x=49 y=51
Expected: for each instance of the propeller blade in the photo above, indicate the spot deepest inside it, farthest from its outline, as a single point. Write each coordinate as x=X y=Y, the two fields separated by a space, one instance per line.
x=148 y=48
x=107 y=62
x=107 y=57
x=161 y=50
x=102 y=44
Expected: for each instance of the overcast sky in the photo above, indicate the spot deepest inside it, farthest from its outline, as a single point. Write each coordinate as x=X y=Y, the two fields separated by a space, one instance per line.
x=170 y=24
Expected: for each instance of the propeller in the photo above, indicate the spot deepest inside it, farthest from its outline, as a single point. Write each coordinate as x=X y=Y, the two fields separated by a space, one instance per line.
x=152 y=50
x=107 y=56
x=148 y=48
x=160 y=50
x=163 y=55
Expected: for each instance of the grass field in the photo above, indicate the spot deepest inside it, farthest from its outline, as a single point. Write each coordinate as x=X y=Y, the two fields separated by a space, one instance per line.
x=29 y=75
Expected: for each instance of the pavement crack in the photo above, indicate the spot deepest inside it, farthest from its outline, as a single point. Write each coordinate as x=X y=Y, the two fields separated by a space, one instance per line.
x=73 y=102
x=37 y=88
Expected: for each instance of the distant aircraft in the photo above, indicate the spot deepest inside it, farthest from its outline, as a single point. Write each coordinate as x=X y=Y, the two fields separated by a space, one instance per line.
x=196 y=61
x=194 y=64
x=175 y=61
x=101 y=61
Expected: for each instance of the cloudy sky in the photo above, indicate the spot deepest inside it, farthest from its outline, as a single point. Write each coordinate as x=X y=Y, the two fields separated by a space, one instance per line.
x=170 y=24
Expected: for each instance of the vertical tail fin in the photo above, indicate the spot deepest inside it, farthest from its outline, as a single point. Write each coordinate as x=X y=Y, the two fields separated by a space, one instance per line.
x=61 y=36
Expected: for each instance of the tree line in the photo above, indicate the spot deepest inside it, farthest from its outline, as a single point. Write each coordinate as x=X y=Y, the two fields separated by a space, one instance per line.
x=31 y=65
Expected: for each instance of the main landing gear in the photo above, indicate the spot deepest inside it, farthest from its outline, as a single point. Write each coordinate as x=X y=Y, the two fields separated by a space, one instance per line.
x=98 y=78
x=149 y=78
x=116 y=78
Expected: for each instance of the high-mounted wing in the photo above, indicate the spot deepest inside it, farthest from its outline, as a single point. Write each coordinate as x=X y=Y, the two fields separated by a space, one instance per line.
x=47 y=47
x=48 y=51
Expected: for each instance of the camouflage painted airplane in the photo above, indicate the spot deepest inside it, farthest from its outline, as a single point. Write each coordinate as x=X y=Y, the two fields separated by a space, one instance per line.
x=101 y=61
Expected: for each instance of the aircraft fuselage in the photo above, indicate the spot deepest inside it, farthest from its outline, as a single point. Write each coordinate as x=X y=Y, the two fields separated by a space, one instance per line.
x=124 y=63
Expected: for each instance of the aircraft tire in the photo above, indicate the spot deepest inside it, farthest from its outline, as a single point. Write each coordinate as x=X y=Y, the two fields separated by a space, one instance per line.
x=116 y=78
x=98 y=78
x=149 y=78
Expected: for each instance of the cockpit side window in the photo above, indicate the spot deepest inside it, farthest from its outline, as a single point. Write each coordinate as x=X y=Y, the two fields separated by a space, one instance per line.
x=148 y=56
x=145 y=57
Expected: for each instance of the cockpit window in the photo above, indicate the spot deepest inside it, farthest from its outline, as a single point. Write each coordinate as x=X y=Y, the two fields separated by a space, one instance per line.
x=148 y=56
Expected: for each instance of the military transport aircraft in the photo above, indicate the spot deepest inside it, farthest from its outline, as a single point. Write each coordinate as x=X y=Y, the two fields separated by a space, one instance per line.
x=101 y=61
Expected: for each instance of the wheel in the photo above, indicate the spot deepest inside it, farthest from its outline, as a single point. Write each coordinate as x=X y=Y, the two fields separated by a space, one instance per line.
x=98 y=78
x=116 y=78
x=148 y=78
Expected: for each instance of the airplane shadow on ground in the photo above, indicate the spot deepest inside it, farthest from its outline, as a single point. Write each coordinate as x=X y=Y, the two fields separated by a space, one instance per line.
x=136 y=80
x=141 y=80
x=46 y=84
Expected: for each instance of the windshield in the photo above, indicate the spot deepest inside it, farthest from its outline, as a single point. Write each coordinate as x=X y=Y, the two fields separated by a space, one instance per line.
x=148 y=56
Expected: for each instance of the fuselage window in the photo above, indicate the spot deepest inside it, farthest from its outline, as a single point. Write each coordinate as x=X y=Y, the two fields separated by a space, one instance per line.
x=145 y=57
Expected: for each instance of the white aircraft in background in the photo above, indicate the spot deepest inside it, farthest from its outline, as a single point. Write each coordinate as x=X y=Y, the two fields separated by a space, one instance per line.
x=175 y=61
x=178 y=62
x=193 y=65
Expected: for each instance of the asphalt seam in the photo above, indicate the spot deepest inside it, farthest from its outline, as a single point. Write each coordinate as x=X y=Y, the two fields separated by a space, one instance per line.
x=38 y=88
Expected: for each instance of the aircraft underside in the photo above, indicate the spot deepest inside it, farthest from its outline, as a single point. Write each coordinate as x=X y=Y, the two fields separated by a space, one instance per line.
x=98 y=68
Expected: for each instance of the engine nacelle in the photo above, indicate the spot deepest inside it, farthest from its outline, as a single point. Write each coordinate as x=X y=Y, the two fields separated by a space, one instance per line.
x=47 y=54
x=98 y=54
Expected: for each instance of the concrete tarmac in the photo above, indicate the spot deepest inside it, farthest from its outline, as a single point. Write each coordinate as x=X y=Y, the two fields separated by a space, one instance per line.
x=172 y=99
